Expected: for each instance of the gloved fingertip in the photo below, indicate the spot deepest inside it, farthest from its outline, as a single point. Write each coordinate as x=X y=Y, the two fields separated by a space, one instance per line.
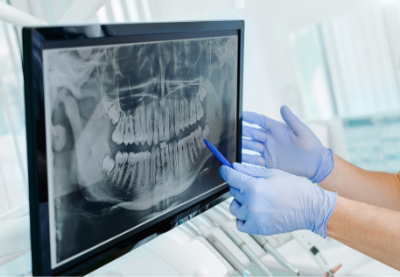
x=240 y=224
x=286 y=113
x=241 y=168
x=223 y=170
x=285 y=108
x=236 y=165
x=247 y=116
x=235 y=205
x=292 y=120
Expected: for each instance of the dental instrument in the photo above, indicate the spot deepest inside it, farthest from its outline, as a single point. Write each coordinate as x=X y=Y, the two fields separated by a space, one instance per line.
x=314 y=253
x=264 y=243
x=208 y=233
x=195 y=232
x=219 y=221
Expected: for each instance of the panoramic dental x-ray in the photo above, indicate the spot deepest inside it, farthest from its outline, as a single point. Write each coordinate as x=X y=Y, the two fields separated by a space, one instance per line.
x=126 y=133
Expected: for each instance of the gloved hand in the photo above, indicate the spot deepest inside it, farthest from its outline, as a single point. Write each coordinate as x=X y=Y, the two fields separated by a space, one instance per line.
x=291 y=147
x=269 y=201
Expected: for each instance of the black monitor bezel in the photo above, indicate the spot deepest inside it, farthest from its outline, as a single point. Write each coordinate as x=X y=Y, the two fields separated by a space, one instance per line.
x=35 y=39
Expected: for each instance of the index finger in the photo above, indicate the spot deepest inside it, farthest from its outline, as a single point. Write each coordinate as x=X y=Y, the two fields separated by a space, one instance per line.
x=258 y=119
x=235 y=178
x=259 y=172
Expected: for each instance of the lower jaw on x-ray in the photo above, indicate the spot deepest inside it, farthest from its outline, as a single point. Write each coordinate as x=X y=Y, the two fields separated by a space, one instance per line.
x=127 y=127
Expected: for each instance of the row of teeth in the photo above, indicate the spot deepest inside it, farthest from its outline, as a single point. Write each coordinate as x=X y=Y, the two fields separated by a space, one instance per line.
x=147 y=166
x=155 y=122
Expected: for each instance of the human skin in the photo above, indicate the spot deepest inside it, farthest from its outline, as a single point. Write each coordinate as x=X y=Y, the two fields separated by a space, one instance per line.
x=367 y=212
x=366 y=216
x=374 y=188
x=372 y=230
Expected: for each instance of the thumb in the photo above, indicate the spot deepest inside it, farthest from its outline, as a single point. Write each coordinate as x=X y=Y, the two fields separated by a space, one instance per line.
x=292 y=121
x=257 y=171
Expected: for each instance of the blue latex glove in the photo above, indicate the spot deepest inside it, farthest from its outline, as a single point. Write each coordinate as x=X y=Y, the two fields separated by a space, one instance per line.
x=269 y=201
x=291 y=147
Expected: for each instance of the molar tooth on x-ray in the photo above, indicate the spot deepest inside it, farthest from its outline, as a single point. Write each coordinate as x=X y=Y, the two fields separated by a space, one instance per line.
x=129 y=131
x=149 y=124
x=129 y=134
x=108 y=165
x=161 y=159
x=177 y=117
x=118 y=134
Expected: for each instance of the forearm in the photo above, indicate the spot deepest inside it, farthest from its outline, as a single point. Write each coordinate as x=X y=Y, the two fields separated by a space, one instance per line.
x=371 y=230
x=375 y=188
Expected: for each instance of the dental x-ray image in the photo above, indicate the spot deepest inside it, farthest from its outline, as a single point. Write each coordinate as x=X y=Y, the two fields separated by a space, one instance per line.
x=125 y=127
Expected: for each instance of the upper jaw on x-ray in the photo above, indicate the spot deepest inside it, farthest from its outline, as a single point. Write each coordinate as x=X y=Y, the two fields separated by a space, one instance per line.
x=138 y=115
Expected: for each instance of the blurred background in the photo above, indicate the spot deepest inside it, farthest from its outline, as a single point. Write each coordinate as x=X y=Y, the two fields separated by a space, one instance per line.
x=336 y=64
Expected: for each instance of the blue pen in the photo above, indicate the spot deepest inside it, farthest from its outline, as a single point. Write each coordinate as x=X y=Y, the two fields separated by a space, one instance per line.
x=217 y=154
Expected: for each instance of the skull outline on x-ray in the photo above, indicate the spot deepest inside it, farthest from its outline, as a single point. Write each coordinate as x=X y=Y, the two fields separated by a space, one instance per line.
x=140 y=143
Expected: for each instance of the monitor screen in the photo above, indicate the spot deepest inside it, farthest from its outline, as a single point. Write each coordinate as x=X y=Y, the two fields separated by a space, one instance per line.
x=124 y=117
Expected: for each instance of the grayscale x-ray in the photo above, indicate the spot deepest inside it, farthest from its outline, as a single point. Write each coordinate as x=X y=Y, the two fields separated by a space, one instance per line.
x=125 y=130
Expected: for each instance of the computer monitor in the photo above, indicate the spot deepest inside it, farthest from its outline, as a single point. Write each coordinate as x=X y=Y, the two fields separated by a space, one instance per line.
x=116 y=116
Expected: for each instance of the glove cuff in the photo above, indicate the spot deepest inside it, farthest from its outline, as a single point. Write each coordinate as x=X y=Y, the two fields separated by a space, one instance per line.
x=325 y=167
x=325 y=212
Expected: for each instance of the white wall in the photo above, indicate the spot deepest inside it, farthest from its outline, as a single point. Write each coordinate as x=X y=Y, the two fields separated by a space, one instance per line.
x=270 y=75
x=269 y=71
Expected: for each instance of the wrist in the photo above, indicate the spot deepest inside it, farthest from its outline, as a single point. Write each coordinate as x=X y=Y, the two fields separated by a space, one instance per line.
x=335 y=221
x=323 y=211
x=325 y=166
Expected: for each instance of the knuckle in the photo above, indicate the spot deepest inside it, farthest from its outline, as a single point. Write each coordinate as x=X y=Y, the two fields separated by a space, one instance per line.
x=256 y=189
x=254 y=209
x=239 y=225
x=233 y=207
